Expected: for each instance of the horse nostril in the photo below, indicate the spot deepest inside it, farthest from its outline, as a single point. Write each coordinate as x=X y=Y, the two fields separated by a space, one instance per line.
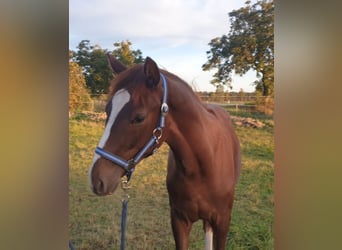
x=99 y=187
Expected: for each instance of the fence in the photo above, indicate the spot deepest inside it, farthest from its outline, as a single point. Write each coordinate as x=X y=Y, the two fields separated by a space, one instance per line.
x=235 y=103
x=231 y=103
x=226 y=98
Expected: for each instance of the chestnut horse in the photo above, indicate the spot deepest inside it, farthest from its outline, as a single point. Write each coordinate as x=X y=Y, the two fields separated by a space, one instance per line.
x=148 y=106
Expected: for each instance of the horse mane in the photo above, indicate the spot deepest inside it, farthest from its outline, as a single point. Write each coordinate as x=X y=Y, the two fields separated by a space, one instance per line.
x=187 y=87
x=126 y=78
x=130 y=76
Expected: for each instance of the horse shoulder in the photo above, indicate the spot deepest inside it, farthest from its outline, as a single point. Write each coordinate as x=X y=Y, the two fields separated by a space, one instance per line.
x=221 y=115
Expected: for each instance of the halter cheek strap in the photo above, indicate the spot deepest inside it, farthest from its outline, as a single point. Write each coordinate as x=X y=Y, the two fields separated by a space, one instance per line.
x=129 y=165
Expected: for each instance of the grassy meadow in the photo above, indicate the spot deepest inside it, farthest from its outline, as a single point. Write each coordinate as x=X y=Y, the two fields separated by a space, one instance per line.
x=94 y=222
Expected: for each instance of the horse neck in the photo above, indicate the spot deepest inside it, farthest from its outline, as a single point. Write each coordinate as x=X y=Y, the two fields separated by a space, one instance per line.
x=186 y=125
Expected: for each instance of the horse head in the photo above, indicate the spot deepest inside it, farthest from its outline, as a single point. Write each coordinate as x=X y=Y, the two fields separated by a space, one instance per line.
x=133 y=110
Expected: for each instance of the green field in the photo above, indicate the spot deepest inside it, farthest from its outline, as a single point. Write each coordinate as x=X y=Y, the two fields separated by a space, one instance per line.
x=94 y=222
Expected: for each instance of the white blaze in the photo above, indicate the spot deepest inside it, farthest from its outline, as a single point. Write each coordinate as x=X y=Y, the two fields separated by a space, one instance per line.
x=119 y=100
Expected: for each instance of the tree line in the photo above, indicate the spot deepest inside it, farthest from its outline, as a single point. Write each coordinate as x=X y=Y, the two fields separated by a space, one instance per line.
x=249 y=44
x=94 y=63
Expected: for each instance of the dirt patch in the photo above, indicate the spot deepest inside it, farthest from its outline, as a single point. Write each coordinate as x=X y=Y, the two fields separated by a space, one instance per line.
x=247 y=122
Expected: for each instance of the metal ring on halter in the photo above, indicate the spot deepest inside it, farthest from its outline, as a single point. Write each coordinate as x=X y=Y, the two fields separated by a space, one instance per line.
x=158 y=132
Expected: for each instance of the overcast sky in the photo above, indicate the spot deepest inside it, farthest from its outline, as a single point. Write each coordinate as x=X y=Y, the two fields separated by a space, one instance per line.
x=175 y=33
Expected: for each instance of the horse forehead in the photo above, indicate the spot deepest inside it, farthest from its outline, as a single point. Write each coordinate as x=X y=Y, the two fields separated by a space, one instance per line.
x=138 y=94
x=118 y=101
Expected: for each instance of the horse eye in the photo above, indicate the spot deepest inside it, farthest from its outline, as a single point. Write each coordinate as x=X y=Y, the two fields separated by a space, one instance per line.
x=138 y=119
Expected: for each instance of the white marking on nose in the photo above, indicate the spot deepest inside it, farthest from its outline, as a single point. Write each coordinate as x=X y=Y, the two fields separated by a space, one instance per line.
x=119 y=100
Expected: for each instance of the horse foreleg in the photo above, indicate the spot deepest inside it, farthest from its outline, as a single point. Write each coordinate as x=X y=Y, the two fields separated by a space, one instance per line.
x=220 y=238
x=221 y=229
x=208 y=235
x=181 y=228
x=209 y=239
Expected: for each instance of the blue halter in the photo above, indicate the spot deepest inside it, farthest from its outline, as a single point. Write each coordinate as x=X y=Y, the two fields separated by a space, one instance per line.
x=129 y=165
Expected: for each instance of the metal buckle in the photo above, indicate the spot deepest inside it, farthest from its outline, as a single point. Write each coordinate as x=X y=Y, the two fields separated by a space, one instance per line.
x=164 y=109
x=125 y=185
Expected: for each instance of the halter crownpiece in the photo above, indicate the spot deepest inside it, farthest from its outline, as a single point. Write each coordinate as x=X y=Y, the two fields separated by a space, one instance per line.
x=164 y=109
x=129 y=165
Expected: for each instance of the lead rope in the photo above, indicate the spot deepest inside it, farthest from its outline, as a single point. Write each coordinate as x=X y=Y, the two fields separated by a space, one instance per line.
x=125 y=197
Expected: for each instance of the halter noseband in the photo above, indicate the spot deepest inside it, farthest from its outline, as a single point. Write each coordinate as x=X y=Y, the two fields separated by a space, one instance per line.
x=129 y=165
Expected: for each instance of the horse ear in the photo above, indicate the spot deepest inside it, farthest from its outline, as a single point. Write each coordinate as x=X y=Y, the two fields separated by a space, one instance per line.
x=152 y=74
x=115 y=64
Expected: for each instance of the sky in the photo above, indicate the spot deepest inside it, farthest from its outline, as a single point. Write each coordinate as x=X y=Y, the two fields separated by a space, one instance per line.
x=174 y=33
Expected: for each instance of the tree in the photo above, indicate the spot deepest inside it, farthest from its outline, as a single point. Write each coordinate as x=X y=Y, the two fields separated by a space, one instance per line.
x=220 y=89
x=94 y=63
x=242 y=93
x=100 y=72
x=126 y=55
x=248 y=45
x=79 y=97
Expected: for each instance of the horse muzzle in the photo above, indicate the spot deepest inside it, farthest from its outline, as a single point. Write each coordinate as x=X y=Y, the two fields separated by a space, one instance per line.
x=105 y=177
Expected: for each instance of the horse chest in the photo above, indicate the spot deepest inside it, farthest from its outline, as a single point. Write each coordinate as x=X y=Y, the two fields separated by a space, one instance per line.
x=189 y=197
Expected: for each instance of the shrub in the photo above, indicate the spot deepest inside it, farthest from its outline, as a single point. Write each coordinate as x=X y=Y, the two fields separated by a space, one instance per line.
x=265 y=105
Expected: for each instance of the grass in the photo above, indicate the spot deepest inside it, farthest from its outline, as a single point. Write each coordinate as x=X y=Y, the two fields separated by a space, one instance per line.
x=94 y=222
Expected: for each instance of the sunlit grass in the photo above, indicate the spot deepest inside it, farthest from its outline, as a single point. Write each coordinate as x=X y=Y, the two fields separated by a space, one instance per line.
x=94 y=222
